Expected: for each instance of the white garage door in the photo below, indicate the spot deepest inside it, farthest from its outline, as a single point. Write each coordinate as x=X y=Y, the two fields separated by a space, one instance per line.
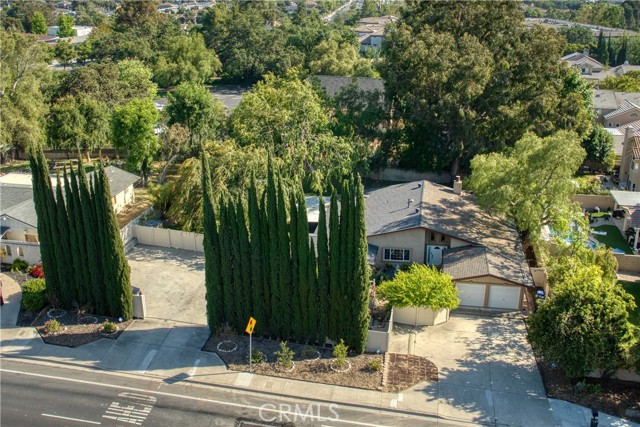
x=471 y=294
x=507 y=297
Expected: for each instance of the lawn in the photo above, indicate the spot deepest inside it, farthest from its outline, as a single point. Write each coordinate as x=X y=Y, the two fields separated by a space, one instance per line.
x=600 y=215
x=613 y=239
x=633 y=289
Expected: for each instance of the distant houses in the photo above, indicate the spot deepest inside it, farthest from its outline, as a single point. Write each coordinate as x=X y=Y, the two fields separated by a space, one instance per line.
x=370 y=31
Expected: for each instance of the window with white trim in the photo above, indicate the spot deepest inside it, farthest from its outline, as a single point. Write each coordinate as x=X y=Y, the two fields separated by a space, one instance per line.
x=20 y=251
x=402 y=255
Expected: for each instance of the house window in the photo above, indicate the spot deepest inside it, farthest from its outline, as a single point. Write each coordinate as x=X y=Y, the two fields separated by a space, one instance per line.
x=617 y=125
x=609 y=124
x=442 y=238
x=20 y=251
x=7 y=250
x=397 y=255
x=433 y=236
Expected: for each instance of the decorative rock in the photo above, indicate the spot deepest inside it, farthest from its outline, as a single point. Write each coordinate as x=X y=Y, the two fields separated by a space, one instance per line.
x=336 y=369
x=220 y=349
x=55 y=313
x=88 y=320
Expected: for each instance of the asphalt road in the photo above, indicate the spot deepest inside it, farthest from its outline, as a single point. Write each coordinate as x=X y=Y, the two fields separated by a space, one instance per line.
x=37 y=395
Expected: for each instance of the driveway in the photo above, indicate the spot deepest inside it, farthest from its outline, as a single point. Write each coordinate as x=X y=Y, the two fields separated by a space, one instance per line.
x=487 y=372
x=172 y=281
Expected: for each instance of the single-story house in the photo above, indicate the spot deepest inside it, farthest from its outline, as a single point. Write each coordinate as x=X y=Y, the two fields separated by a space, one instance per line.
x=427 y=223
x=18 y=219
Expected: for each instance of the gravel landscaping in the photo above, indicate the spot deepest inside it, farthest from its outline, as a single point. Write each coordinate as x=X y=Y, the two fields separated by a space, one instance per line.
x=76 y=329
x=316 y=364
x=313 y=365
x=614 y=397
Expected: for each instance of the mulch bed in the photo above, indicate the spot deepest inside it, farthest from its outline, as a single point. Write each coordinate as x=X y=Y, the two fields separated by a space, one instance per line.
x=615 y=397
x=360 y=375
x=77 y=329
x=405 y=370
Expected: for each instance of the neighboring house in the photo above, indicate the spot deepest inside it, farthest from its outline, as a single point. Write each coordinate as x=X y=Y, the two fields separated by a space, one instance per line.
x=592 y=70
x=78 y=30
x=559 y=24
x=370 y=31
x=607 y=101
x=627 y=112
x=630 y=161
x=427 y=223
x=18 y=219
x=334 y=84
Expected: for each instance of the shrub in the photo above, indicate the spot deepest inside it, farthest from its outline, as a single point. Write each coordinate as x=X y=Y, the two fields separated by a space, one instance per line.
x=340 y=353
x=19 y=265
x=375 y=365
x=285 y=355
x=257 y=356
x=52 y=326
x=109 y=327
x=33 y=295
x=37 y=271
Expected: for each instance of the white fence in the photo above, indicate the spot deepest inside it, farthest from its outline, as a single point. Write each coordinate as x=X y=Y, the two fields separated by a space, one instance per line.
x=168 y=238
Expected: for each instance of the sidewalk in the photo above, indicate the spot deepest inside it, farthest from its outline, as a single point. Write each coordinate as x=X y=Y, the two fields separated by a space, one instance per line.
x=170 y=351
x=12 y=296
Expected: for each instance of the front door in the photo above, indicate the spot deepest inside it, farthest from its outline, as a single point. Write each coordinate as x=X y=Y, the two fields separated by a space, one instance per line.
x=434 y=255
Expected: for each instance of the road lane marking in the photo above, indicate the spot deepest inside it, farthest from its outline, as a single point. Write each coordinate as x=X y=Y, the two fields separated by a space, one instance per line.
x=178 y=396
x=70 y=419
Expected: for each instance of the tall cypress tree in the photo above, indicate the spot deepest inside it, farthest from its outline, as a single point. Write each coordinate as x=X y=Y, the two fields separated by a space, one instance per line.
x=601 y=49
x=258 y=273
x=611 y=54
x=276 y=316
x=120 y=291
x=323 y=275
x=360 y=313
x=91 y=231
x=107 y=280
x=284 y=262
x=345 y=245
x=622 y=53
x=235 y=259
x=76 y=239
x=81 y=264
x=313 y=315
x=213 y=278
x=297 y=326
x=302 y=241
x=225 y=264
x=335 y=308
x=64 y=255
x=245 y=263
x=267 y=265
x=42 y=198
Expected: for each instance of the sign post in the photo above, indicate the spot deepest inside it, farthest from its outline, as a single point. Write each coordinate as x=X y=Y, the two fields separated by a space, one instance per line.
x=249 y=330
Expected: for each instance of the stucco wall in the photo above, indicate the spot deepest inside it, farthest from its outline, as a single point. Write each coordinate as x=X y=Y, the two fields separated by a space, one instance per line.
x=420 y=316
x=29 y=252
x=591 y=201
x=168 y=238
x=407 y=239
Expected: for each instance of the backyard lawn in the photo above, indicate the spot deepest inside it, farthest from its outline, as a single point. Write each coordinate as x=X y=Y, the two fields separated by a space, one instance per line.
x=633 y=289
x=613 y=239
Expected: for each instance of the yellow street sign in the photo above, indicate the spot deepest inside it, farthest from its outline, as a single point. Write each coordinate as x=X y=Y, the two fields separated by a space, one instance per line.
x=250 y=325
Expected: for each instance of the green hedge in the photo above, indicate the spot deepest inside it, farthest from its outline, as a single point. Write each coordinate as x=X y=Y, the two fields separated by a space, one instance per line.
x=33 y=295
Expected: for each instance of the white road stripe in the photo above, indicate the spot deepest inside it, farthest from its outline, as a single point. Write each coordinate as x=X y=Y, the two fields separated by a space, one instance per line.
x=199 y=399
x=70 y=419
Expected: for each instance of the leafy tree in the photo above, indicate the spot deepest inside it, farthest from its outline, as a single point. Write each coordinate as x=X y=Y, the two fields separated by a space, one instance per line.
x=137 y=13
x=605 y=14
x=64 y=52
x=185 y=58
x=194 y=107
x=338 y=59
x=533 y=183
x=628 y=82
x=599 y=146
x=420 y=286
x=78 y=122
x=286 y=117
x=24 y=64
x=583 y=326
x=174 y=142
x=65 y=26
x=452 y=107
x=578 y=34
x=38 y=23
x=132 y=129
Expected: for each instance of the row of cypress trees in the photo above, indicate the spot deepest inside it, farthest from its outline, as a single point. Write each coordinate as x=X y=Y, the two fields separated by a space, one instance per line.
x=260 y=262
x=80 y=244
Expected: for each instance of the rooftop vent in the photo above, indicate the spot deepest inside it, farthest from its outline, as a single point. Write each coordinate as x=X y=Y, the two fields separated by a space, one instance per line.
x=409 y=202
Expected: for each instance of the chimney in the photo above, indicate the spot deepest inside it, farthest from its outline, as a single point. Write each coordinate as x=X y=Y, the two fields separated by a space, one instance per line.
x=585 y=52
x=457 y=185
